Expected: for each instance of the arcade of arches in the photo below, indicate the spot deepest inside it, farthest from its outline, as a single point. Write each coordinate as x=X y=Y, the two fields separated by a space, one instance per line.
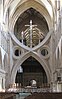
x=31 y=43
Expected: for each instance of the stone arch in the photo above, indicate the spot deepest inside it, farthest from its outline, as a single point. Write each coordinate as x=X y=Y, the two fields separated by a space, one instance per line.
x=8 y=4
x=21 y=60
x=26 y=5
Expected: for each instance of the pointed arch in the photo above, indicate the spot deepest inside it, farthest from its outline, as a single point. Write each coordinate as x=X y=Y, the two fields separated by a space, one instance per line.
x=26 y=5
x=21 y=60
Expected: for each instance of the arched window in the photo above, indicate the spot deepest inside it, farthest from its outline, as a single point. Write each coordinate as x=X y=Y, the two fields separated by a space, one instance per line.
x=44 y=52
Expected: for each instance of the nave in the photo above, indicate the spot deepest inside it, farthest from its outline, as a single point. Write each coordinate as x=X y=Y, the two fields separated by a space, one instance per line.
x=30 y=49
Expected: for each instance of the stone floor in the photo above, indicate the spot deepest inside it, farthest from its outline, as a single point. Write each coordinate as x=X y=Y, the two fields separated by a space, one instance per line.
x=22 y=95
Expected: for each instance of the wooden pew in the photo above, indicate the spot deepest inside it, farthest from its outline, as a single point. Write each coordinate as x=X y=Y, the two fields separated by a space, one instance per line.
x=7 y=95
x=45 y=95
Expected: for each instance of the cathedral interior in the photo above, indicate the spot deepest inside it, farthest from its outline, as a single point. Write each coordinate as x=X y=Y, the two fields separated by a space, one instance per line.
x=31 y=44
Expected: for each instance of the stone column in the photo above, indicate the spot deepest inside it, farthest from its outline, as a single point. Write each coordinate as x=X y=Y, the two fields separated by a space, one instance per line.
x=22 y=36
x=51 y=57
x=8 y=76
x=57 y=12
x=0 y=83
x=4 y=82
x=0 y=37
x=59 y=86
